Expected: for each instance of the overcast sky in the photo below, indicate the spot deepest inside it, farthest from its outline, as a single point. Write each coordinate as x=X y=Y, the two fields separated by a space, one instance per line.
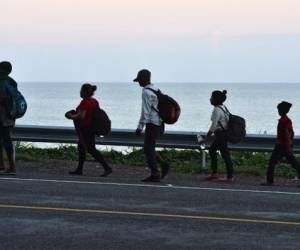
x=182 y=41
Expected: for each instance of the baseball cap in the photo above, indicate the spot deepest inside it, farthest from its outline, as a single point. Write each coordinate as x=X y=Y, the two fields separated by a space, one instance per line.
x=143 y=74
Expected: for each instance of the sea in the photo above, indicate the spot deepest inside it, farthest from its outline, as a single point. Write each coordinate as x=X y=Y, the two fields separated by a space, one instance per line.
x=256 y=102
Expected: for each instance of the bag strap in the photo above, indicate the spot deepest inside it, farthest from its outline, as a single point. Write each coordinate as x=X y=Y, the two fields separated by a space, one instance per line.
x=226 y=111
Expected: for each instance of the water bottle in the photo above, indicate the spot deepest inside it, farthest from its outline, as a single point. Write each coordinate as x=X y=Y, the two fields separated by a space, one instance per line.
x=200 y=139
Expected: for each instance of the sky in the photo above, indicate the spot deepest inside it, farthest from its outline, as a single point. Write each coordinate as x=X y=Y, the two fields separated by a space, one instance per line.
x=179 y=41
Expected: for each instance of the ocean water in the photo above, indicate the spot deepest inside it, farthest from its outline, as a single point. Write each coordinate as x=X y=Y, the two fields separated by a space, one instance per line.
x=256 y=102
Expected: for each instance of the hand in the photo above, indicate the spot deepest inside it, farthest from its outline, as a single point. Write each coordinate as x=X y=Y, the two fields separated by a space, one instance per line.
x=138 y=132
x=69 y=114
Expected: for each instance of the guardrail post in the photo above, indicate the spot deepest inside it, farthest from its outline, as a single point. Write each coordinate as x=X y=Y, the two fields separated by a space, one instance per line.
x=14 y=148
x=203 y=161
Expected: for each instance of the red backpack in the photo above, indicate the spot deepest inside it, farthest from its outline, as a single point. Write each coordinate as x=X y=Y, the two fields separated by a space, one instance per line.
x=168 y=109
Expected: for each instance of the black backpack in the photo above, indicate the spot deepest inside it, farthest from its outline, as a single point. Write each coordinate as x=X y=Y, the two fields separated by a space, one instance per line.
x=168 y=108
x=101 y=123
x=236 y=130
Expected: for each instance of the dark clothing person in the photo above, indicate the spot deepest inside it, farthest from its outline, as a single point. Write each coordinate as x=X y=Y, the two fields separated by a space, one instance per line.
x=219 y=125
x=284 y=143
x=6 y=123
x=83 y=117
x=220 y=143
x=154 y=127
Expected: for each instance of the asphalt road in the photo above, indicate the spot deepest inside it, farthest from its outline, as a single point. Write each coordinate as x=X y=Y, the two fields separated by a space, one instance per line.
x=72 y=213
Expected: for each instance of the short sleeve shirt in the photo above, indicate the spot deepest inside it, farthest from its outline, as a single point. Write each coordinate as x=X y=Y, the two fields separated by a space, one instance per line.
x=88 y=105
x=285 y=123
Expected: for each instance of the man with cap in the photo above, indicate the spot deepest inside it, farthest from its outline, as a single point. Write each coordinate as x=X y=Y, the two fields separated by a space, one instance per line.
x=6 y=123
x=154 y=126
x=284 y=143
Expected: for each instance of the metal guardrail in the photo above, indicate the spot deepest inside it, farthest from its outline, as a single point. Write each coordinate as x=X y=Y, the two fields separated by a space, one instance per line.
x=126 y=137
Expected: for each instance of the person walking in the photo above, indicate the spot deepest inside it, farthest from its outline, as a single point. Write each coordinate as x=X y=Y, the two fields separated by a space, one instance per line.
x=154 y=127
x=7 y=124
x=284 y=143
x=83 y=117
x=219 y=119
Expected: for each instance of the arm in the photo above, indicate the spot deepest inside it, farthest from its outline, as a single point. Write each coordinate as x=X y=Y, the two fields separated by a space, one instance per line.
x=145 y=112
x=215 y=117
x=77 y=116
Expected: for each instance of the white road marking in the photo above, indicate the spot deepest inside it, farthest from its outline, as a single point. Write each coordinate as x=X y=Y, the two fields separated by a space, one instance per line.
x=169 y=186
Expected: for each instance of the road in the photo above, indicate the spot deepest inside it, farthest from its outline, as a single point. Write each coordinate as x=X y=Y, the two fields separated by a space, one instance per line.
x=78 y=213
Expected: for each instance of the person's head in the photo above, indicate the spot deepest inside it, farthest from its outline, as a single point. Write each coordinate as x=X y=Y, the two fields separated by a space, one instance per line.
x=87 y=90
x=143 y=77
x=218 y=97
x=283 y=108
x=5 y=68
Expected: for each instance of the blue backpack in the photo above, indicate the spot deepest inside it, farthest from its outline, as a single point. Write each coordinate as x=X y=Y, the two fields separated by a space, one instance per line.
x=16 y=105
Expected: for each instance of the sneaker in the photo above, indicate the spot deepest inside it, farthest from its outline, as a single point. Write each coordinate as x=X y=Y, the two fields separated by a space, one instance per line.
x=165 y=168
x=226 y=180
x=107 y=172
x=211 y=177
x=266 y=183
x=76 y=172
x=151 y=178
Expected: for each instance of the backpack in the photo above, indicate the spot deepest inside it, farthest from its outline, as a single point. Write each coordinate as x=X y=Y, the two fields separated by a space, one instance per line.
x=13 y=100
x=236 y=130
x=168 y=109
x=101 y=123
x=17 y=104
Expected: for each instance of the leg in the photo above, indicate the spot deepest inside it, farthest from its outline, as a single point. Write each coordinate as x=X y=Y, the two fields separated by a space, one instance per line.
x=81 y=156
x=165 y=167
x=149 y=149
x=213 y=156
x=81 y=160
x=293 y=161
x=2 y=167
x=275 y=157
x=7 y=143
x=226 y=155
x=91 y=148
x=99 y=158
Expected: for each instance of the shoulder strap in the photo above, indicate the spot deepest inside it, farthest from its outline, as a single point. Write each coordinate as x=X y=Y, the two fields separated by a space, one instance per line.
x=154 y=91
x=226 y=111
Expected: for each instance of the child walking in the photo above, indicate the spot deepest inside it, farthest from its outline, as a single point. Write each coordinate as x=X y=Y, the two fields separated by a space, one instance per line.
x=83 y=117
x=219 y=118
x=284 y=143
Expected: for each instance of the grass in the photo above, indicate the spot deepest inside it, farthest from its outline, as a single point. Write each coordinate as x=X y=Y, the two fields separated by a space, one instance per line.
x=182 y=161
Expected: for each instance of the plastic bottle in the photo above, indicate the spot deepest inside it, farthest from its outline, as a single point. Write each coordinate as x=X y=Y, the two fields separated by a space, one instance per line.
x=200 y=139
